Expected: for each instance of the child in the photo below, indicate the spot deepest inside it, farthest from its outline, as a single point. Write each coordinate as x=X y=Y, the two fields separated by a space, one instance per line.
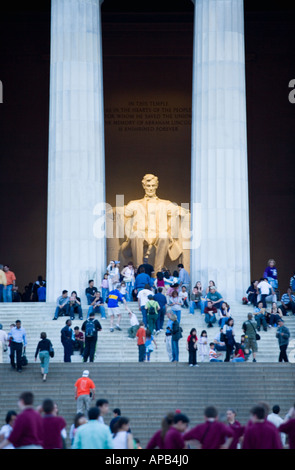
x=149 y=344
x=105 y=287
x=141 y=335
x=123 y=290
x=184 y=296
x=213 y=355
x=239 y=355
x=191 y=346
x=134 y=325
x=203 y=345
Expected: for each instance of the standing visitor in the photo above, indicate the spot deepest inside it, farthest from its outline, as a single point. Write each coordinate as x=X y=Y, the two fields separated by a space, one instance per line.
x=162 y=301
x=283 y=335
x=229 y=338
x=3 y=282
x=271 y=273
x=141 y=337
x=18 y=341
x=67 y=340
x=142 y=299
x=236 y=427
x=129 y=279
x=114 y=275
x=266 y=290
x=249 y=328
x=259 y=434
x=149 y=340
x=93 y=434
x=288 y=428
x=122 y=438
x=53 y=426
x=174 y=436
x=105 y=287
x=90 y=328
x=152 y=307
x=203 y=346
x=168 y=336
x=192 y=347
x=184 y=279
x=10 y=284
x=175 y=303
x=176 y=336
x=84 y=392
x=6 y=430
x=157 y=440
x=113 y=308
x=43 y=348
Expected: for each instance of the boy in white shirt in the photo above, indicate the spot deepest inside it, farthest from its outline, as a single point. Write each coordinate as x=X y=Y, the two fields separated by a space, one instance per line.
x=183 y=294
x=134 y=325
x=265 y=290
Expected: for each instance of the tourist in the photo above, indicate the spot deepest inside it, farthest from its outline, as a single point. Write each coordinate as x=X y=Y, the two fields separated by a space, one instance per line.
x=114 y=298
x=148 y=268
x=134 y=325
x=79 y=340
x=62 y=305
x=215 y=297
x=265 y=291
x=175 y=304
x=212 y=434
x=197 y=299
x=288 y=302
x=117 y=414
x=213 y=355
x=176 y=331
x=3 y=340
x=18 y=341
x=103 y=406
x=114 y=275
x=260 y=434
x=74 y=306
x=123 y=290
x=184 y=279
x=43 y=348
x=129 y=279
x=141 y=337
x=41 y=292
x=90 y=328
x=183 y=295
x=229 y=338
x=149 y=340
x=142 y=280
x=192 y=346
x=271 y=273
x=203 y=349
x=3 y=282
x=174 y=436
x=252 y=293
x=79 y=419
x=27 y=432
x=152 y=307
x=210 y=314
x=84 y=392
x=52 y=426
x=93 y=434
x=6 y=430
x=249 y=328
x=67 y=340
x=122 y=438
x=219 y=345
x=168 y=336
x=159 y=281
x=236 y=427
x=260 y=316
x=157 y=440
x=283 y=335
x=224 y=314
x=288 y=428
x=10 y=284
x=104 y=287
x=90 y=291
x=36 y=287
x=275 y=419
x=162 y=301
x=97 y=306
x=210 y=284
x=142 y=299
x=239 y=355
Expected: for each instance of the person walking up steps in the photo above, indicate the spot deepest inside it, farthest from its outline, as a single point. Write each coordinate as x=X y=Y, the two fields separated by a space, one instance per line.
x=90 y=327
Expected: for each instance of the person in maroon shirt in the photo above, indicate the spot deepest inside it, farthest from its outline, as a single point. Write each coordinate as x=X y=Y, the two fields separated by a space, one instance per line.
x=157 y=440
x=27 y=432
x=52 y=426
x=174 y=436
x=289 y=428
x=212 y=434
x=260 y=433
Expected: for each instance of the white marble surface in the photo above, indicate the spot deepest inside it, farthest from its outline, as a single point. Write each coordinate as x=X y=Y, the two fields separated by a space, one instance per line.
x=219 y=148
x=76 y=175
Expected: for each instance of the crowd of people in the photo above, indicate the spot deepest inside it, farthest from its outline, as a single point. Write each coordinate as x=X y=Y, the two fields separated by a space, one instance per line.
x=159 y=298
x=43 y=427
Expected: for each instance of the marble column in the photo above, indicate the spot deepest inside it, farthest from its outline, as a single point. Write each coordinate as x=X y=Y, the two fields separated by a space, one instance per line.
x=219 y=190
x=76 y=174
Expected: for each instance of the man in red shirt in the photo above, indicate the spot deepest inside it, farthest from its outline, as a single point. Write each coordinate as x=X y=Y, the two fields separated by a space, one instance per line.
x=27 y=432
x=174 y=436
x=212 y=434
x=260 y=433
x=141 y=336
x=84 y=392
x=10 y=284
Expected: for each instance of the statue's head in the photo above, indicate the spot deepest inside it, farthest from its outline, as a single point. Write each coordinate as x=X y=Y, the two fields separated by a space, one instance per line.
x=150 y=184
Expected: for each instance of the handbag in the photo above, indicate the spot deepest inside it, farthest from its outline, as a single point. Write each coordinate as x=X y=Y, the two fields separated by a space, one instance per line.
x=257 y=335
x=24 y=360
x=51 y=351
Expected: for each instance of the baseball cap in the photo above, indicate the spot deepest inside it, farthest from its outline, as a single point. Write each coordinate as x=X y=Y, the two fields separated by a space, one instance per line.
x=85 y=373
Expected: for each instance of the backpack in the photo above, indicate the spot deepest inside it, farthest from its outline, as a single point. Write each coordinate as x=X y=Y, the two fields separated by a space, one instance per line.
x=89 y=329
x=152 y=311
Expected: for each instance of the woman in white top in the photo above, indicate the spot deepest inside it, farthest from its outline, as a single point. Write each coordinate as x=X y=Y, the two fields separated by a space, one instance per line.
x=5 y=431
x=122 y=439
x=114 y=276
x=128 y=274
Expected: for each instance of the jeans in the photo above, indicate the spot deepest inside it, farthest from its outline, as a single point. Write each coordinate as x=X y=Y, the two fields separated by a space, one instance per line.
x=44 y=358
x=193 y=305
x=132 y=331
x=210 y=318
x=222 y=321
x=175 y=351
x=283 y=353
x=141 y=353
x=260 y=318
x=169 y=346
x=16 y=349
x=61 y=311
x=160 y=319
x=90 y=347
x=238 y=359
x=129 y=289
x=144 y=315
x=90 y=298
x=290 y=306
x=68 y=350
x=178 y=314
x=104 y=293
x=73 y=309
x=1 y=292
x=99 y=309
x=152 y=319
x=7 y=293
x=215 y=360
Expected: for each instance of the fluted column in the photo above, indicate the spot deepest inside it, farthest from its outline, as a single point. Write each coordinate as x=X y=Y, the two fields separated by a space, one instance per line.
x=219 y=149
x=76 y=171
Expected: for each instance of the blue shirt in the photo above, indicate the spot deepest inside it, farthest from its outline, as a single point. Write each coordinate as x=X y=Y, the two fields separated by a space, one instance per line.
x=141 y=280
x=184 y=277
x=161 y=299
x=41 y=293
x=62 y=300
x=93 y=435
x=114 y=297
x=18 y=335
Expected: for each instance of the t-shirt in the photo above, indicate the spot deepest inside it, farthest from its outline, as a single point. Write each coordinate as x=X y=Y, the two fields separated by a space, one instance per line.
x=143 y=296
x=53 y=425
x=211 y=434
x=174 y=439
x=84 y=385
x=161 y=299
x=214 y=296
x=264 y=287
x=140 y=336
x=10 y=277
x=114 y=297
x=261 y=435
x=154 y=304
x=41 y=292
x=27 y=429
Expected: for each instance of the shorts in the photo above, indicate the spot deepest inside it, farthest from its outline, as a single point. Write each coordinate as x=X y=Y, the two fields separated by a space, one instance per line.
x=251 y=343
x=114 y=311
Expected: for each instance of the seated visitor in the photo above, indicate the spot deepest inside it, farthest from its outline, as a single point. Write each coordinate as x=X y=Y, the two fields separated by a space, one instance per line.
x=252 y=293
x=218 y=343
x=90 y=291
x=224 y=314
x=215 y=297
x=288 y=302
x=260 y=316
x=275 y=315
x=197 y=299
x=213 y=355
x=62 y=305
x=210 y=313
x=74 y=306
x=78 y=340
x=97 y=306
x=183 y=294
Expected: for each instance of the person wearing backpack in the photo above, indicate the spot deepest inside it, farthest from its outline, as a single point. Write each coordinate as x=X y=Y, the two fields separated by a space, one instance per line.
x=90 y=327
x=152 y=308
x=249 y=328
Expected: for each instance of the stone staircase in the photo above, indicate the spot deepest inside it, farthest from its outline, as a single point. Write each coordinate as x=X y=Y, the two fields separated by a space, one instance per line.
x=145 y=392
x=116 y=347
